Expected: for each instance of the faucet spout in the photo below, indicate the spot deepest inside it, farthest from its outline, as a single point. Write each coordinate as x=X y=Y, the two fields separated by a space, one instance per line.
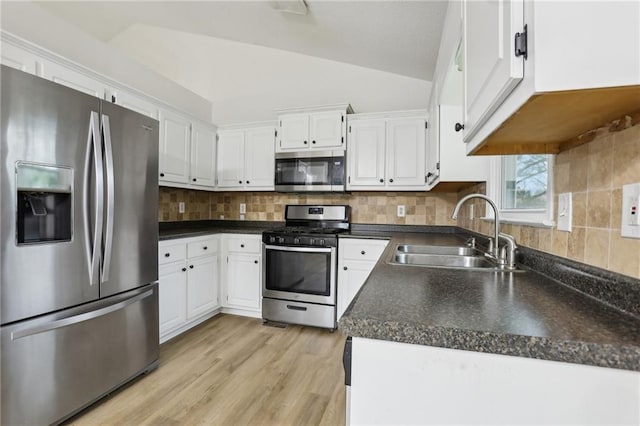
x=454 y=216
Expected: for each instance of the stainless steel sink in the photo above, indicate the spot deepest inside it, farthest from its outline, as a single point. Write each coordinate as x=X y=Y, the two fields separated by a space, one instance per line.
x=442 y=250
x=442 y=260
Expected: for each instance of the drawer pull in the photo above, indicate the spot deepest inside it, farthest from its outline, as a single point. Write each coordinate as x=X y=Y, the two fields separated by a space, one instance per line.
x=205 y=247
x=241 y=245
x=184 y=269
x=167 y=254
x=345 y=268
x=363 y=252
x=296 y=308
x=190 y=266
x=255 y=261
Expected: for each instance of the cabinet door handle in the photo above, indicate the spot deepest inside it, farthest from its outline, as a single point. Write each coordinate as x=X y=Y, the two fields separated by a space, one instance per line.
x=390 y=180
x=161 y=174
x=194 y=179
x=241 y=245
x=205 y=247
x=459 y=127
x=313 y=142
x=255 y=261
x=184 y=269
x=305 y=142
x=167 y=254
x=240 y=182
x=190 y=266
x=363 y=252
x=247 y=182
x=345 y=268
x=381 y=180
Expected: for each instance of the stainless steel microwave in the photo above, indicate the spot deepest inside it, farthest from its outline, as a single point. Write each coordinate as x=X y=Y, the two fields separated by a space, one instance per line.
x=310 y=171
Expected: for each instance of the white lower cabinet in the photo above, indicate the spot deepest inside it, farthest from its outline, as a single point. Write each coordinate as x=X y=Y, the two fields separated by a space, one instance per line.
x=356 y=259
x=189 y=283
x=242 y=275
x=401 y=383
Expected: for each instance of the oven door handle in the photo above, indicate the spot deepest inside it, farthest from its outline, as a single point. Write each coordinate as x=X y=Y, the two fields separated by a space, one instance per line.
x=300 y=249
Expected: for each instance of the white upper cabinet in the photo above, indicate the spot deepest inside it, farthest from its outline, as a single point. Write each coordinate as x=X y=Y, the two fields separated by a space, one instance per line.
x=246 y=158
x=387 y=153
x=175 y=138
x=313 y=128
x=406 y=156
x=18 y=58
x=294 y=132
x=135 y=103
x=538 y=74
x=203 y=156
x=366 y=153
x=259 y=158
x=73 y=79
x=493 y=70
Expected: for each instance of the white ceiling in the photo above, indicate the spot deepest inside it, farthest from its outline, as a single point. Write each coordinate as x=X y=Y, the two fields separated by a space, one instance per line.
x=395 y=36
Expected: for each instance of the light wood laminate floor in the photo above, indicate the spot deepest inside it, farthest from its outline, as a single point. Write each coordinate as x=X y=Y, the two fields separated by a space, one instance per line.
x=234 y=371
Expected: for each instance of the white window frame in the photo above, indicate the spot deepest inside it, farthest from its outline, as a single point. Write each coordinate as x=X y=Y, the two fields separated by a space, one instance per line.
x=531 y=217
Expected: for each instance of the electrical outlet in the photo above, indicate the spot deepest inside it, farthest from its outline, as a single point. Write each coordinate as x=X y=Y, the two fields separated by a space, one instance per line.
x=221 y=217
x=401 y=211
x=565 y=212
x=241 y=217
x=471 y=210
x=630 y=211
x=243 y=208
x=181 y=207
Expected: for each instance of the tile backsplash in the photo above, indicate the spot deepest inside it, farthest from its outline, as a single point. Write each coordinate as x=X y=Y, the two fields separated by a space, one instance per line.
x=422 y=208
x=594 y=173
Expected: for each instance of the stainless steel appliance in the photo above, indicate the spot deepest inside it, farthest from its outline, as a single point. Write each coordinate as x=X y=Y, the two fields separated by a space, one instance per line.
x=322 y=171
x=300 y=266
x=78 y=248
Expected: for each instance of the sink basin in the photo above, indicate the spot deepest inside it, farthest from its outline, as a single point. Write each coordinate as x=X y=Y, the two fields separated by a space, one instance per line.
x=442 y=250
x=442 y=260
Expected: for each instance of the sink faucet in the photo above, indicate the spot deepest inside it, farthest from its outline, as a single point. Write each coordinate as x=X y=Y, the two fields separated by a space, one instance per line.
x=494 y=246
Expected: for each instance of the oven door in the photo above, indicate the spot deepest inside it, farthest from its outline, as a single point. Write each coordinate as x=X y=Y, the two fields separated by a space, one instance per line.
x=305 y=274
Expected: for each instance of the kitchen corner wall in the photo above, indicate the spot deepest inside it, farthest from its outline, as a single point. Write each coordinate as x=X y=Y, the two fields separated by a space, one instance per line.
x=594 y=173
x=422 y=208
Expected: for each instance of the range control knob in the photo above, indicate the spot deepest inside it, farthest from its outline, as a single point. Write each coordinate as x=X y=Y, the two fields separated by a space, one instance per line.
x=281 y=240
x=320 y=242
x=296 y=240
x=272 y=239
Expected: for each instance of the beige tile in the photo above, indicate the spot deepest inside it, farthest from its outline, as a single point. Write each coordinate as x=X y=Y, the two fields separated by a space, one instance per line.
x=578 y=158
x=599 y=209
x=616 y=208
x=624 y=255
x=579 y=207
x=626 y=157
x=561 y=177
x=597 y=247
x=576 y=244
x=560 y=243
x=545 y=240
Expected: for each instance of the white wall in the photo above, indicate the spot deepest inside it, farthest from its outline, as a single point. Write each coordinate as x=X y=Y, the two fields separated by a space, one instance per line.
x=34 y=24
x=247 y=83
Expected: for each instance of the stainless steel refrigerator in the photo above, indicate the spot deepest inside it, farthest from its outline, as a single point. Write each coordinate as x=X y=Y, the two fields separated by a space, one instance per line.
x=78 y=248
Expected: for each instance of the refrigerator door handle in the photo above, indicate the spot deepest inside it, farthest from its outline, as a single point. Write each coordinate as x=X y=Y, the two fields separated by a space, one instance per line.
x=64 y=322
x=108 y=154
x=94 y=146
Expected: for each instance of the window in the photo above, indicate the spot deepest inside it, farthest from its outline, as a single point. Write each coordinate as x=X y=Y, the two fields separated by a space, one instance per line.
x=521 y=186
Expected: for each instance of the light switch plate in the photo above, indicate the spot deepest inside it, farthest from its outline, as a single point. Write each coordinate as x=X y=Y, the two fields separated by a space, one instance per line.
x=401 y=211
x=181 y=207
x=630 y=221
x=243 y=208
x=565 y=211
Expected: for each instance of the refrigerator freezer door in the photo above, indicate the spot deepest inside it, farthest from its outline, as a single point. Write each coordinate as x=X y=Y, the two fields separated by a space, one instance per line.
x=46 y=124
x=55 y=365
x=130 y=257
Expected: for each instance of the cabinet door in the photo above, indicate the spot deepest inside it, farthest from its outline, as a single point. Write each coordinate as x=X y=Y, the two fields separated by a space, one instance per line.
x=491 y=69
x=231 y=159
x=74 y=79
x=172 y=302
x=259 y=154
x=351 y=275
x=18 y=58
x=366 y=153
x=406 y=145
x=174 y=147
x=136 y=104
x=433 y=143
x=243 y=281
x=326 y=129
x=294 y=132
x=203 y=156
x=202 y=286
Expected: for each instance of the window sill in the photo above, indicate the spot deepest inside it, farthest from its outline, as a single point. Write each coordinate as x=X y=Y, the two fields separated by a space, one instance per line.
x=533 y=223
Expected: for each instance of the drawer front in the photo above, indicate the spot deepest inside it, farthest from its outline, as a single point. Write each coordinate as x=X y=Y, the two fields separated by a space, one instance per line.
x=362 y=249
x=202 y=248
x=243 y=244
x=168 y=253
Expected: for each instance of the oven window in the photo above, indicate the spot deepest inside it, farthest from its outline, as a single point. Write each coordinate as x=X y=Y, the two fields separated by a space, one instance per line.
x=304 y=171
x=298 y=272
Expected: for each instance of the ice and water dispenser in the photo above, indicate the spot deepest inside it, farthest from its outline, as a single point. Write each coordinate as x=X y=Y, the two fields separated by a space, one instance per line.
x=44 y=204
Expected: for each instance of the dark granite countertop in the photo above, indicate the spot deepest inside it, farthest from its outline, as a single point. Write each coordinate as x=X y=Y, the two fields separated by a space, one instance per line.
x=522 y=314
x=174 y=230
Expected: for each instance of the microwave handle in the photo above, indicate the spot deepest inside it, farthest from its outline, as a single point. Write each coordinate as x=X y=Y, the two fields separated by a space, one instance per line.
x=300 y=249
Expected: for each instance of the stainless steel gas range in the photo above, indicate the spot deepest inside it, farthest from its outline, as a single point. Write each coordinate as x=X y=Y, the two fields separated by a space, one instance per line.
x=300 y=266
